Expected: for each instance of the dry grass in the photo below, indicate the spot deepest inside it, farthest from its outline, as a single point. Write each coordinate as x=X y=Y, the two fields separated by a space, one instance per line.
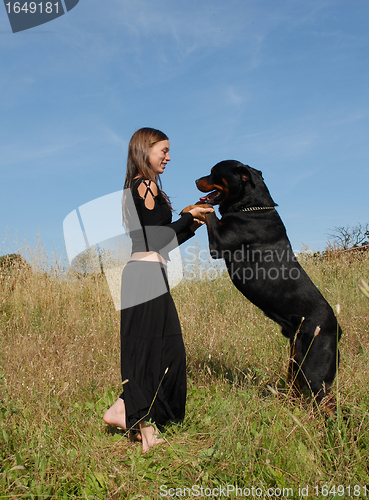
x=59 y=371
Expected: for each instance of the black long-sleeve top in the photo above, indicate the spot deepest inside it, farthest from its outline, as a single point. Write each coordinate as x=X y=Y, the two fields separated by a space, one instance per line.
x=153 y=229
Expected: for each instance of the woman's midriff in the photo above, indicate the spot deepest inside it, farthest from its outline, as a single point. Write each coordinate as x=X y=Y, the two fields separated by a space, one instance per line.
x=148 y=256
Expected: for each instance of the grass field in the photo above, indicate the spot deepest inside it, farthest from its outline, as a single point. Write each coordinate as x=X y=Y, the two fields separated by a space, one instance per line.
x=59 y=372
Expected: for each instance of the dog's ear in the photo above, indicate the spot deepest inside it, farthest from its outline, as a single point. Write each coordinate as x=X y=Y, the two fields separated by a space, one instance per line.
x=248 y=174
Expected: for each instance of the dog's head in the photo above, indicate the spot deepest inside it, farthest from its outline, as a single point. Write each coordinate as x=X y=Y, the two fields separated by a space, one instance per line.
x=233 y=185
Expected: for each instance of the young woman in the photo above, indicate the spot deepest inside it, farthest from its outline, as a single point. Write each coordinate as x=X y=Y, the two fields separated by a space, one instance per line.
x=153 y=359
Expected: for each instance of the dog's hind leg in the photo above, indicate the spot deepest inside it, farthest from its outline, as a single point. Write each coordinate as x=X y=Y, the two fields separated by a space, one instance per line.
x=318 y=354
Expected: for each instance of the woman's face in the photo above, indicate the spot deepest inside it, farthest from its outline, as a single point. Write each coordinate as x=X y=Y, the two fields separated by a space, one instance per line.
x=159 y=156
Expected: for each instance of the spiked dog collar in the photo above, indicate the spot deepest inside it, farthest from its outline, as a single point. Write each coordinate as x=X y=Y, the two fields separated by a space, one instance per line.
x=253 y=209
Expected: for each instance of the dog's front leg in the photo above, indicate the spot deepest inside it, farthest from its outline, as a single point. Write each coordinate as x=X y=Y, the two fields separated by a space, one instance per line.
x=213 y=225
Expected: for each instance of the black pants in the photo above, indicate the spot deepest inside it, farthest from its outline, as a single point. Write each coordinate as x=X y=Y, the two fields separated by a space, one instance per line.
x=151 y=342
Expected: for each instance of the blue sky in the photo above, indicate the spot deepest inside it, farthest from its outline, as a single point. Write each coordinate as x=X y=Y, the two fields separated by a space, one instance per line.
x=279 y=85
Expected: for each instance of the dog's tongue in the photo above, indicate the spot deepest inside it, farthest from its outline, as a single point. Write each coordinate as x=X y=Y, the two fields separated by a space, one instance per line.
x=209 y=197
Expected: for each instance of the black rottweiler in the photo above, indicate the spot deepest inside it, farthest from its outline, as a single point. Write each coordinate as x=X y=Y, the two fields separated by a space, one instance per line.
x=252 y=239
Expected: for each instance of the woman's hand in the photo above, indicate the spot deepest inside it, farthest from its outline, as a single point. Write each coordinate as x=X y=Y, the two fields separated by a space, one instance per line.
x=199 y=213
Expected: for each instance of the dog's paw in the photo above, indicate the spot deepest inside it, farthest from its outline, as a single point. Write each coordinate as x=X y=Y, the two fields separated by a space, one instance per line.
x=198 y=204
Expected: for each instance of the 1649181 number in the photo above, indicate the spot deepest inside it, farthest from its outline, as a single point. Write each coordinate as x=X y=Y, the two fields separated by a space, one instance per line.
x=33 y=7
x=340 y=490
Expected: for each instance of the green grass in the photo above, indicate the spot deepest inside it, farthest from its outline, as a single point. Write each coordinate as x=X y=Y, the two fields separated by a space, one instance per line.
x=59 y=372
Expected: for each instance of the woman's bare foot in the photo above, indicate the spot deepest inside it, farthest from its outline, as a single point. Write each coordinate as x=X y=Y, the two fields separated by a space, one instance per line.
x=149 y=435
x=116 y=415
